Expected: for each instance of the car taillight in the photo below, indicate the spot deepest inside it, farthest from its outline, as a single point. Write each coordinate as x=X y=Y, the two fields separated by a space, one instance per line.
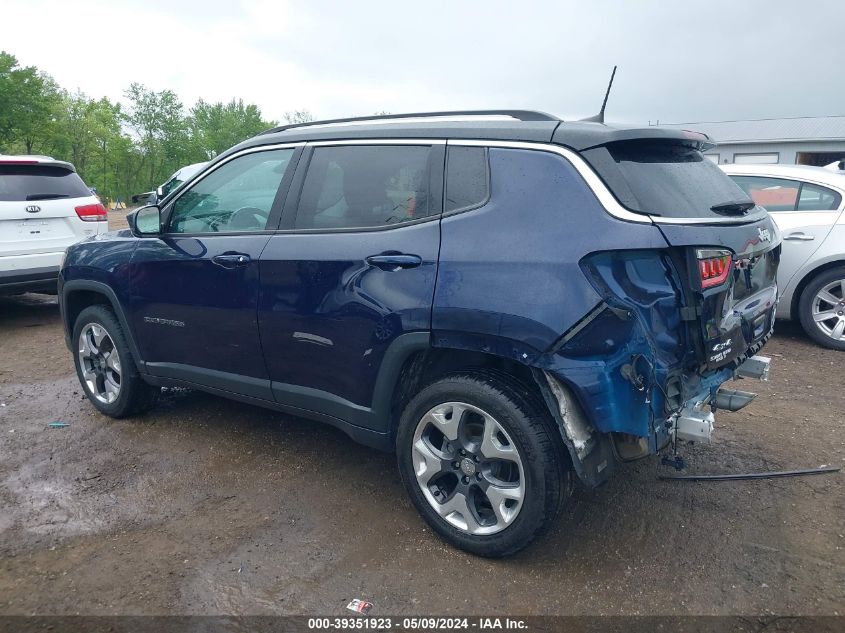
x=92 y=213
x=714 y=267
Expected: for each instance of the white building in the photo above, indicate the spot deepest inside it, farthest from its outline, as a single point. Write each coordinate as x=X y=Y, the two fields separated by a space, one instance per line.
x=796 y=141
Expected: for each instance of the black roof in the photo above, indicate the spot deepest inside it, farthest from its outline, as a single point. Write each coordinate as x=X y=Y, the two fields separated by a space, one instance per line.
x=531 y=127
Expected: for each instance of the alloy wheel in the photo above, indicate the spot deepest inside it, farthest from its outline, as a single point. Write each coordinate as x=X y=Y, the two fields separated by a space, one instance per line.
x=100 y=363
x=468 y=468
x=829 y=310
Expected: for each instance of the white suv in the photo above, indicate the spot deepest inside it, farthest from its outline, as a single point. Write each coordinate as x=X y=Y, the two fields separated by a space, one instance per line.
x=44 y=208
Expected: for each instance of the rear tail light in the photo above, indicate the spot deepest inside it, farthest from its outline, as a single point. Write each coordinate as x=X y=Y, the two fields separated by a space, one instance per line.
x=714 y=267
x=92 y=213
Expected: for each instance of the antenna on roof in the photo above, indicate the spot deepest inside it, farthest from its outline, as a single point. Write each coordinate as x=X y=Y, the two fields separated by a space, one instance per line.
x=599 y=118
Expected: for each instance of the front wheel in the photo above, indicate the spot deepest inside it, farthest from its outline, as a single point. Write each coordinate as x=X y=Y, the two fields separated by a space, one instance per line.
x=822 y=308
x=105 y=366
x=481 y=463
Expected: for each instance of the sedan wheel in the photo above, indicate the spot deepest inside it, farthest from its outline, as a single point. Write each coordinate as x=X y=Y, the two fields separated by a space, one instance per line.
x=821 y=308
x=829 y=310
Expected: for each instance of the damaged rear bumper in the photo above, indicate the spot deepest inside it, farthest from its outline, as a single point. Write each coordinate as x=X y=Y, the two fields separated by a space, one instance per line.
x=595 y=452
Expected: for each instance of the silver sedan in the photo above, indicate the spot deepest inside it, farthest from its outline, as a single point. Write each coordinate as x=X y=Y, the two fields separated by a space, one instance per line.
x=807 y=205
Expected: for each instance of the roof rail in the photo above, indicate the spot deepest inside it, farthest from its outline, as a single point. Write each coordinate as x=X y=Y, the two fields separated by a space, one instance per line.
x=521 y=115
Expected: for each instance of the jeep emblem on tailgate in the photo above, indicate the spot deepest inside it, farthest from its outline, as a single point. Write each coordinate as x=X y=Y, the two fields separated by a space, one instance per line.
x=764 y=234
x=33 y=208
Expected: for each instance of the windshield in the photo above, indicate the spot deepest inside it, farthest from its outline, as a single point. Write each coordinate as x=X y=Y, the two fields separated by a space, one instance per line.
x=169 y=186
x=667 y=178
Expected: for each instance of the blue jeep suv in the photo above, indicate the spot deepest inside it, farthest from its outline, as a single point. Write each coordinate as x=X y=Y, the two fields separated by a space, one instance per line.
x=511 y=302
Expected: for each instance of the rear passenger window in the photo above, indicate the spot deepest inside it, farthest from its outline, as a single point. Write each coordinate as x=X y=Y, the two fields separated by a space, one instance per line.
x=361 y=186
x=467 y=181
x=776 y=194
x=780 y=194
x=815 y=198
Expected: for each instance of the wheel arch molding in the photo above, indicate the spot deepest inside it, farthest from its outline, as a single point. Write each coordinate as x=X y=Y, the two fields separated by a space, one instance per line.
x=77 y=294
x=806 y=279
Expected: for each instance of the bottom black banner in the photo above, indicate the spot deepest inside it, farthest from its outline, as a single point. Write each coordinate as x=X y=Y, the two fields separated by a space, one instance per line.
x=567 y=624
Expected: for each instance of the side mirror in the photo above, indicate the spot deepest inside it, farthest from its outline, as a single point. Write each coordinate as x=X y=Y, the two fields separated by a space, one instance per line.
x=145 y=222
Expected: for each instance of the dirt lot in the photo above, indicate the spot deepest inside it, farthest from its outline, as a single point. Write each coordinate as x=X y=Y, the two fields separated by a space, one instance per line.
x=210 y=506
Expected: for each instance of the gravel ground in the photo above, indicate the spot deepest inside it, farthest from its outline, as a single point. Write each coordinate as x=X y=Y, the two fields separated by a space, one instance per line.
x=210 y=506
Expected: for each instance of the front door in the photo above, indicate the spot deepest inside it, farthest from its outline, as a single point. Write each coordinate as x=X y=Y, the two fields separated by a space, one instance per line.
x=354 y=272
x=195 y=289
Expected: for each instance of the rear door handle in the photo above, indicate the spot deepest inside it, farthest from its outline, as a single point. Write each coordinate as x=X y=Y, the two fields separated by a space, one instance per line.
x=799 y=237
x=394 y=261
x=231 y=260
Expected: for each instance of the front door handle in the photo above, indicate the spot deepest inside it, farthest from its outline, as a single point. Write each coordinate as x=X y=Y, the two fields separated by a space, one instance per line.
x=799 y=237
x=392 y=262
x=231 y=260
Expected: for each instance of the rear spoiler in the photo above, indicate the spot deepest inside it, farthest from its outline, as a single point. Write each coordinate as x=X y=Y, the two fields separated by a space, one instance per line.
x=36 y=160
x=584 y=135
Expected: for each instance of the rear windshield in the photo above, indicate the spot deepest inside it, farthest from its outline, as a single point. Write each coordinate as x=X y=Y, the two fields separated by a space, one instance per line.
x=40 y=182
x=665 y=178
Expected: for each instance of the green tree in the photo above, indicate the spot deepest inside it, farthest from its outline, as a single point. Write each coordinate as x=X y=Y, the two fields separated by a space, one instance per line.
x=215 y=127
x=120 y=151
x=9 y=86
x=28 y=101
x=158 y=120
x=83 y=131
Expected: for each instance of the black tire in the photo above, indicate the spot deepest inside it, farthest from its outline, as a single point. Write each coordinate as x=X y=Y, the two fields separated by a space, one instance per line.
x=805 y=307
x=548 y=478
x=135 y=395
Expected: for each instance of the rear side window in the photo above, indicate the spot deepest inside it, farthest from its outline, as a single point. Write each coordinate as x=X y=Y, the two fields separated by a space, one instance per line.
x=664 y=178
x=361 y=186
x=467 y=179
x=40 y=182
x=781 y=194
x=816 y=198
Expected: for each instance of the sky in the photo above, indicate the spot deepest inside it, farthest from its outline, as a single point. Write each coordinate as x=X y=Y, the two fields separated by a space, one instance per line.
x=682 y=61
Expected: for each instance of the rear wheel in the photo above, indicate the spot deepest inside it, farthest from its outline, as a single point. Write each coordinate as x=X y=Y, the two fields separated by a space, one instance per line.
x=481 y=463
x=105 y=366
x=822 y=308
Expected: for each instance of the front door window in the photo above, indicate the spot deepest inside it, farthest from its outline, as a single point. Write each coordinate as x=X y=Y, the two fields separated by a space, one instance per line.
x=236 y=197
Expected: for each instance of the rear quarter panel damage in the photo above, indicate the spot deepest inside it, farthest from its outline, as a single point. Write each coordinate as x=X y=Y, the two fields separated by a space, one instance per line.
x=512 y=281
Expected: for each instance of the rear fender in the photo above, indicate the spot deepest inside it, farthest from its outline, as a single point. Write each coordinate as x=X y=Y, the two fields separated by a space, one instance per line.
x=620 y=357
x=611 y=367
x=590 y=452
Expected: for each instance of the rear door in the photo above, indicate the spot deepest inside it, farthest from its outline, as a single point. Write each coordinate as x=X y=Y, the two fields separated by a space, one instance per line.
x=195 y=288
x=726 y=246
x=352 y=270
x=805 y=213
